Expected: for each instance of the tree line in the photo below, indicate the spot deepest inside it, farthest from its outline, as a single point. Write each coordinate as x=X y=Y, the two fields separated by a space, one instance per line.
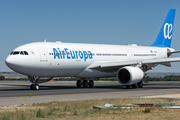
x=2 y=77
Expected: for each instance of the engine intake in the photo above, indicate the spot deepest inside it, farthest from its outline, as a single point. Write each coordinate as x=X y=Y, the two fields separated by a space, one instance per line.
x=129 y=75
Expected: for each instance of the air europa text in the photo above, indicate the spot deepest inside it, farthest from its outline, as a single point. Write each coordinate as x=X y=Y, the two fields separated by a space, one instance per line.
x=71 y=54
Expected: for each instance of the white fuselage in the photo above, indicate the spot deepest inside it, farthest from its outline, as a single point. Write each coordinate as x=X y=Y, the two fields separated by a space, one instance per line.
x=56 y=59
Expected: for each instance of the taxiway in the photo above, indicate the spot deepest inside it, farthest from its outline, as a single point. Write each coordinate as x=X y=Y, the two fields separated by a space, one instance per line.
x=14 y=92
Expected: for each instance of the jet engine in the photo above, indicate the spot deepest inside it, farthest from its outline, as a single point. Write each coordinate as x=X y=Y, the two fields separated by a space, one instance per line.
x=129 y=75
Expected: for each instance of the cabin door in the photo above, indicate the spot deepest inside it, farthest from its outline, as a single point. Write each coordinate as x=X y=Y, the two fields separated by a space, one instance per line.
x=43 y=56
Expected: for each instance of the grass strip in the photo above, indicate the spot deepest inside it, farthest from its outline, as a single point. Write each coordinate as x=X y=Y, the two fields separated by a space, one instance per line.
x=80 y=110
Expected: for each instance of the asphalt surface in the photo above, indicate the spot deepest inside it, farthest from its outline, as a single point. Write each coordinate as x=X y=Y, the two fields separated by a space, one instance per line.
x=19 y=92
x=15 y=89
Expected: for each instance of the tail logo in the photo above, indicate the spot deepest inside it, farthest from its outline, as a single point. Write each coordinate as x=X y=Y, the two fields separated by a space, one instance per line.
x=167 y=30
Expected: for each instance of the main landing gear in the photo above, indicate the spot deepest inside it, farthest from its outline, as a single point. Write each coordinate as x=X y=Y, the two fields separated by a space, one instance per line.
x=139 y=84
x=85 y=83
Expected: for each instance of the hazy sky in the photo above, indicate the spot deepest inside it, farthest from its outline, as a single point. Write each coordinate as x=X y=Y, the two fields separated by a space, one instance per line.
x=85 y=21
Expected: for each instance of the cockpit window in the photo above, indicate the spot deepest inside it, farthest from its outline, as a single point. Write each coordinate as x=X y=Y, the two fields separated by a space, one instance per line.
x=26 y=53
x=19 y=52
x=11 y=53
x=16 y=53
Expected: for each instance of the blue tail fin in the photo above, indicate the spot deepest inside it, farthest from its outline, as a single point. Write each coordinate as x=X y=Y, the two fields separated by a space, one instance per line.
x=165 y=35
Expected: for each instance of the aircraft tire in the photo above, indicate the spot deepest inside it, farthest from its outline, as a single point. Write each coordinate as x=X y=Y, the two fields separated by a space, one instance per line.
x=128 y=86
x=140 y=84
x=135 y=86
x=36 y=87
x=91 y=83
x=31 y=86
x=85 y=83
x=78 y=83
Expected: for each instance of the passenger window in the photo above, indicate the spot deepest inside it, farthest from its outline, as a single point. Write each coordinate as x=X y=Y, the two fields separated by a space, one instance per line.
x=21 y=53
x=26 y=53
x=16 y=53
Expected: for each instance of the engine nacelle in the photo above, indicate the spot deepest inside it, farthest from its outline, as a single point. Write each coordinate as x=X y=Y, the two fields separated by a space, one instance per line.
x=129 y=75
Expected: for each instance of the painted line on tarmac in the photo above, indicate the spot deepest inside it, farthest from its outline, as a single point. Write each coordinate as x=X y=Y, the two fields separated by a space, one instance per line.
x=38 y=99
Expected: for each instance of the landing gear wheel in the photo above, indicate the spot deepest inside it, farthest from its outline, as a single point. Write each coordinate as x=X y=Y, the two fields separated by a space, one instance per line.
x=140 y=84
x=91 y=83
x=135 y=86
x=31 y=86
x=34 y=87
x=128 y=86
x=78 y=83
x=85 y=83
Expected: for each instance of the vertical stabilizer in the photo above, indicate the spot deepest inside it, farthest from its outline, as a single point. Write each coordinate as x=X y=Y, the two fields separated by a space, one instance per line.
x=165 y=34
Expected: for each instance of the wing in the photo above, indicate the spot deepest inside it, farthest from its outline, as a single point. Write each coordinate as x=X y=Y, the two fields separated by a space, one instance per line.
x=113 y=66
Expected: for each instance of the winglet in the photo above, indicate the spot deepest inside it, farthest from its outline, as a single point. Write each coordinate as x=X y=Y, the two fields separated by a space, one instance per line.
x=165 y=34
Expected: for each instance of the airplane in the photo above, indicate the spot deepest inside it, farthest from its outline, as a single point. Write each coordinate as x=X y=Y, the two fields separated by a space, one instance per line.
x=41 y=61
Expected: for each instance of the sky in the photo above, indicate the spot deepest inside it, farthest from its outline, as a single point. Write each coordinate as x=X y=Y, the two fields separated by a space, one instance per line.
x=119 y=22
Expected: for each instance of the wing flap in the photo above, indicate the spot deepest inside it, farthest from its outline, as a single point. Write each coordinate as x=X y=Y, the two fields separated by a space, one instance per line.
x=162 y=60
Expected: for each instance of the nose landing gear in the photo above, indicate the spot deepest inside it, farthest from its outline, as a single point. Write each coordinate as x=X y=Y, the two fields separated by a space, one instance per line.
x=34 y=80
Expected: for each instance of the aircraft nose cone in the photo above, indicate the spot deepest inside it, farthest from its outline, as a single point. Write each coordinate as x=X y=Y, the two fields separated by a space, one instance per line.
x=14 y=63
x=9 y=62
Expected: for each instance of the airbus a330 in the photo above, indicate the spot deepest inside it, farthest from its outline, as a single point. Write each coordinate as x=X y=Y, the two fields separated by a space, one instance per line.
x=41 y=61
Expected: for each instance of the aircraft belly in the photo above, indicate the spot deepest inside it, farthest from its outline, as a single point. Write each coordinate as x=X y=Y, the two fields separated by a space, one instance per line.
x=91 y=73
x=55 y=69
